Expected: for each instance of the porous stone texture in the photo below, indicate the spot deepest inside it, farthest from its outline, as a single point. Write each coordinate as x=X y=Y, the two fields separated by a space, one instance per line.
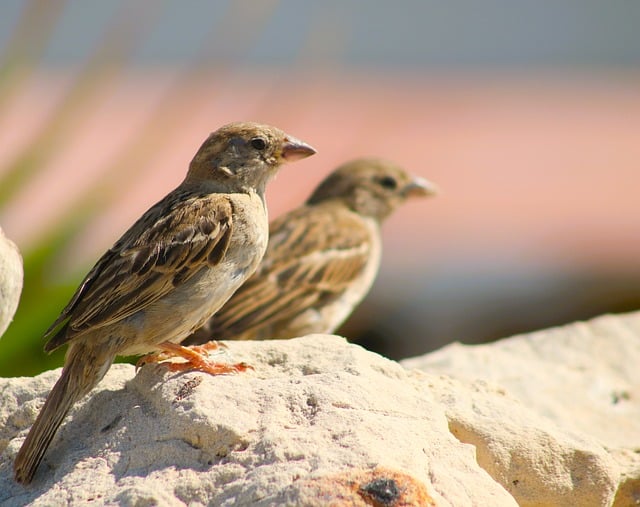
x=570 y=432
x=546 y=419
x=11 y=276
x=318 y=422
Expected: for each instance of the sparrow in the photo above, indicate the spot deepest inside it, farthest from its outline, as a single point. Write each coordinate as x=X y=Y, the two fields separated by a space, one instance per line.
x=11 y=274
x=173 y=269
x=322 y=257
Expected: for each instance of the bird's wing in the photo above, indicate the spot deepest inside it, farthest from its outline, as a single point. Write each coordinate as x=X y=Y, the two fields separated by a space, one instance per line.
x=171 y=242
x=315 y=253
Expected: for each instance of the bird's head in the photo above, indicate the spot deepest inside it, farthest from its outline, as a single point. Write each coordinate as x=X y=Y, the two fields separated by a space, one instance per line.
x=371 y=187
x=244 y=155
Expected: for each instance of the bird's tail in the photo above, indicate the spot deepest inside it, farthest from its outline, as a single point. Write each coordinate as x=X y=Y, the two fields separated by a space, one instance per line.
x=82 y=371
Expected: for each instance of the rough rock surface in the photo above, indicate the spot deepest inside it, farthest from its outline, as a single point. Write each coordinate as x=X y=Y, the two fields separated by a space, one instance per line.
x=546 y=419
x=318 y=422
x=10 y=280
x=580 y=432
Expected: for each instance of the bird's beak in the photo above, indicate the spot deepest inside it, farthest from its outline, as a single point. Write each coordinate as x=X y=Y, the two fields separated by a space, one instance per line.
x=294 y=149
x=420 y=187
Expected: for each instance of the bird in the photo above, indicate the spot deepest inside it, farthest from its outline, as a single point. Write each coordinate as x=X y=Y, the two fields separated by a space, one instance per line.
x=11 y=274
x=322 y=257
x=169 y=272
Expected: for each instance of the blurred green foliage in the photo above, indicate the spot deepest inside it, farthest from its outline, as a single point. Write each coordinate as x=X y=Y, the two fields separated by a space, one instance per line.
x=21 y=346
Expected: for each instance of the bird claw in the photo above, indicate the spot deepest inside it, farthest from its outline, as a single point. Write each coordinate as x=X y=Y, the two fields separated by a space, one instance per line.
x=151 y=358
x=196 y=359
x=209 y=346
x=209 y=367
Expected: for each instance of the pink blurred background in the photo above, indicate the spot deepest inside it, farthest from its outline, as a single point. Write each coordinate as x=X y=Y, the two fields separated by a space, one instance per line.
x=526 y=116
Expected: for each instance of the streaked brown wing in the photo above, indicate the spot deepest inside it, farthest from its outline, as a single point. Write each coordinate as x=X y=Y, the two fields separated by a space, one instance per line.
x=171 y=242
x=314 y=254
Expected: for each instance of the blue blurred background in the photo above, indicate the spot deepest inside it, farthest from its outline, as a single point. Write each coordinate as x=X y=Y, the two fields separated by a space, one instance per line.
x=527 y=115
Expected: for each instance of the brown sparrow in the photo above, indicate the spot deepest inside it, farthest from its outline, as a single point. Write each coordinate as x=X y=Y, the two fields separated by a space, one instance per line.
x=172 y=270
x=322 y=258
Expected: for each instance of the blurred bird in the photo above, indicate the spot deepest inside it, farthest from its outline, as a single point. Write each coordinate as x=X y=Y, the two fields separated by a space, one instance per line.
x=322 y=258
x=168 y=273
x=11 y=275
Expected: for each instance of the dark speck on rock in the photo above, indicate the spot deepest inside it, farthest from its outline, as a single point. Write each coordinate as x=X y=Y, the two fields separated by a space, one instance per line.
x=384 y=491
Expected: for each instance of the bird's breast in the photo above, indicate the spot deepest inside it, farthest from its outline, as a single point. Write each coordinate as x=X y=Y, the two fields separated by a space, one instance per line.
x=193 y=302
x=249 y=236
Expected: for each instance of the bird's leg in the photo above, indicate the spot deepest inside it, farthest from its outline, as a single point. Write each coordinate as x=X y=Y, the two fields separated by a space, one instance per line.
x=154 y=357
x=196 y=358
x=157 y=357
x=208 y=347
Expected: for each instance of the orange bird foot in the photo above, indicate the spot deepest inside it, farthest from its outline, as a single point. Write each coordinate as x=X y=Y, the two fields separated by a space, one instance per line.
x=196 y=358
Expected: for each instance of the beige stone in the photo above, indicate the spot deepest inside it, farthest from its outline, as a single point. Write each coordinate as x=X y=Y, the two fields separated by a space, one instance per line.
x=10 y=280
x=546 y=419
x=318 y=422
x=580 y=384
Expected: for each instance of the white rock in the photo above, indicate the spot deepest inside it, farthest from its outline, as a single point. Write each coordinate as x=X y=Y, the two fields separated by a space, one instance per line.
x=10 y=280
x=318 y=421
x=581 y=386
x=547 y=419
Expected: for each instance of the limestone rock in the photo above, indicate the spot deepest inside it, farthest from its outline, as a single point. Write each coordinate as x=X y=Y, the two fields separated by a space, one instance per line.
x=318 y=422
x=546 y=419
x=580 y=385
x=10 y=280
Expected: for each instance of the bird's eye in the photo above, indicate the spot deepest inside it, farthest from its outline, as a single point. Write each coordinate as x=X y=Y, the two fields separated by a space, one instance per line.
x=388 y=182
x=258 y=143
